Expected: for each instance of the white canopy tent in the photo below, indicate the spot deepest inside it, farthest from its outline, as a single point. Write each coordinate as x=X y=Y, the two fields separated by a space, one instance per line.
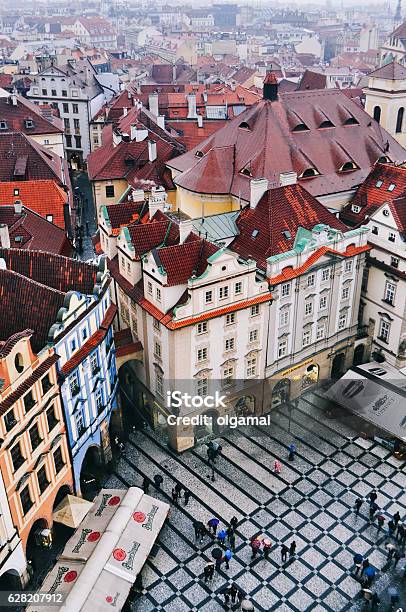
x=102 y=559
x=71 y=511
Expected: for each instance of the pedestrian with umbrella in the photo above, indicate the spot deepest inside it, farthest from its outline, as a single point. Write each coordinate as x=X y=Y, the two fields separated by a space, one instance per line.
x=217 y=555
x=221 y=537
x=366 y=594
x=381 y=521
x=212 y=524
x=267 y=544
x=292 y=452
x=357 y=563
x=370 y=574
x=227 y=557
x=158 y=480
x=365 y=564
x=247 y=605
x=255 y=546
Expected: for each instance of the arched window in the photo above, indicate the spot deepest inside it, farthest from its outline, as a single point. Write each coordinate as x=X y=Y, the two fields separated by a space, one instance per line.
x=377 y=113
x=308 y=173
x=348 y=166
x=399 y=120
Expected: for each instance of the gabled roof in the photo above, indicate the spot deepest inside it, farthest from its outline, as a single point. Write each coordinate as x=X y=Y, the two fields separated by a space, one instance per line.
x=271 y=227
x=374 y=191
x=313 y=80
x=26 y=117
x=44 y=197
x=269 y=144
x=398 y=209
x=148 y=236
x=28 y=230
x=400 y=32
x=120 y=215
x=393 y=71
x=182 y=261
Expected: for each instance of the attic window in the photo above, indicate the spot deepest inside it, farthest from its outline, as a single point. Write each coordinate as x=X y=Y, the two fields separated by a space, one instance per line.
x=378 y=184
x=326 y=124
x=16 y=191
x=300 y=127
x=18 y=239
x=348 y=166
x=199 y=153
x=3 y=125
x=383 y=160
x=244 y=125
x=309 y=172
x=29 y=123
x=287 y=234
x=351 y=121
x=391 y=187
x=246 y=172
x=254 y=233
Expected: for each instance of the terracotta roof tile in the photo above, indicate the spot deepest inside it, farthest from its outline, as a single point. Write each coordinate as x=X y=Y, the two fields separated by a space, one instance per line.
x=180 y=262
x=44 y=197
x=152 y=235
x=393 y=71
x=15 y=115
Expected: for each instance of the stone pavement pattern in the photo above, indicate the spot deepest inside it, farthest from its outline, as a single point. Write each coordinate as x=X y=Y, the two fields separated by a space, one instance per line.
x=311 y=502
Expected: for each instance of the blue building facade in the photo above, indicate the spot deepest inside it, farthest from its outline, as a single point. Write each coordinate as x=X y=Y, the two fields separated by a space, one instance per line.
x=83 y=339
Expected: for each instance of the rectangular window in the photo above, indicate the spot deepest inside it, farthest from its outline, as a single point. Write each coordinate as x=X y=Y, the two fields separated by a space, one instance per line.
x=64 y=93
x=307 y=337
x=308 y=308
x=17 y=456
x=149 y=288
x=109 y=191
x=155 y=324
x=158 y=294
x=78 y=142
x=325 y=275
x=384 y=330
x=251 y=367
x=375 y=230
x=283 y=318
x=311 y=280
x=159 y=384
x=355 y=208
x=74 y=384
x=282 y=348
x=51 y=418
x=223 y=293
x=390 y=291
x=255 y=310
x=228 y=375
x=53 y=92
x=128 y=267
x=9 y=420
x=94 y=363
x=68 y=141
x=394 y=262
x=392 y=237
x=285 y=289
x=342 y=320
x=238 y=288
x=202 y=387
x=73 y=345
x=320 y=331
x=43 y=481
x=75 y=109
x=348 y=265
x=29 y=401
x=46 y=384
x=230 y=318
x=58 y=460
x=157 y=349
x=229 y=344
x=201 y=328
x=80 y=424
x=202 y=354
x=323 y=302
x=26 y=501
x=253 y=335
x=208 y=297
x=35 y=437
x=65 y=107
x=345 y=293
x=99 y=401
x=76 y=124
x=44 y=92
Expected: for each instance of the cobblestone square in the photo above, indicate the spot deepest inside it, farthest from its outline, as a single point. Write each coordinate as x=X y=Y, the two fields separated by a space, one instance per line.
x=311 y=502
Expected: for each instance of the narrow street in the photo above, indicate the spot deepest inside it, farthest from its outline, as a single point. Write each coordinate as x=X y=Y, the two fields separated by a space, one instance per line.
x=82 y=190
x=311 y=501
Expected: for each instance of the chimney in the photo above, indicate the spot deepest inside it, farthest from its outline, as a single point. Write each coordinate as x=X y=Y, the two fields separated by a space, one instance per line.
x=200 y=121
x=257 y=189
x=18 y=207
x=157 y=201
x=153 y=104
x=287 y=178
x=270 y=90
x=151 y=150
x=161 y=121
x=191 y=106
x=185 y=227
x=13 y=98
x=4 y=236
x=138 y=133
x=125 y=111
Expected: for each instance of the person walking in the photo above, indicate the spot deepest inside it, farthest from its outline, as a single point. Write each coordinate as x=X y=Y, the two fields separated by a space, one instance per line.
x=373 y=497
x=357 y=563
x=179 y=489
x=372 y=509
x=221 y=537
x=391 y=528
x=396 y=517
x=231 y=541
x=391 y=551
x=197 y=526
x=234 y=523
x=145 y=484
x=399 y=531
x=208 y=571
x=267 y=545
x=402 y=536
x=219 y=561
x=397 y=555
x=380 y=521
x=158 y=480
x=227 y=557
x=357 y=505
x=292 y=549
x=284 y=552
x=186 y=497
x=212 y=524
x=277 y=466
x=255 y=546
x=233 y=593
x=240 y=596
x=365 y=564
x=226 y=599
x=292 y=452
x=175 y=495
x=375 y=601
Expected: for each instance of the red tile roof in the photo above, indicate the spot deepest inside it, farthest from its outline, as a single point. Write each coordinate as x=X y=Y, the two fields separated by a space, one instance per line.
x=275 y=141
x=28 y=230
x=400 y=32
x=372 y=194
x=398 y=209
x=15 y=115
x=182 y=261
x=123 y=214
x=44 y=197
x=145 y=237
x=393 y=71
x=313 y=80
x=190 y=134
x=90 y=344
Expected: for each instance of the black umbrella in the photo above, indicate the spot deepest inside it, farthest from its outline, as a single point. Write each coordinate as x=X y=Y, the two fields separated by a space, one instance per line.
x=216 y=553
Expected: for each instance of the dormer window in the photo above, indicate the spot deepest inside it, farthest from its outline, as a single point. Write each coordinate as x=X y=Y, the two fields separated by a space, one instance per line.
x=246 y=172
x=255 y=233
x=3 y=125
x=244 y=125
x=308 y=173
x=29 y=123
x=326 y=124
x=300 y=127
x=351 y=121
x=391 y=187
x=348 y=166
x=379 y=184
x=384 y=159
x=199 y=153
